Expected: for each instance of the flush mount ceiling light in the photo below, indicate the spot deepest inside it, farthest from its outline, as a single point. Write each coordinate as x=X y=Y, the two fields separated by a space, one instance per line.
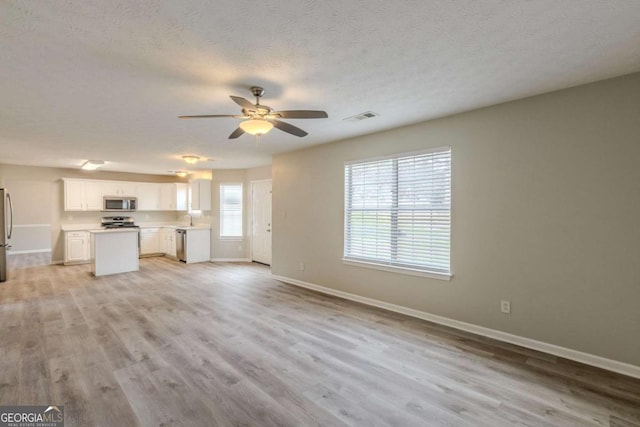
x=256 y=126
x=191 y=159
x=92 y=164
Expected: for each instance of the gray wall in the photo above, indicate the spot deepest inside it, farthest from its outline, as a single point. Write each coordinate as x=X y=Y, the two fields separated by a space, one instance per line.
x=546 y=214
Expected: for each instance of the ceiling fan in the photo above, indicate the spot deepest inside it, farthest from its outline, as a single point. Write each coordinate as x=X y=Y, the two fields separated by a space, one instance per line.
x=260 y=119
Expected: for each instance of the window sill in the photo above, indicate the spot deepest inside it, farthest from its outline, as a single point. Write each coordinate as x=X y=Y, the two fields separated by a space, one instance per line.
x=231 y=239
x=400 y=270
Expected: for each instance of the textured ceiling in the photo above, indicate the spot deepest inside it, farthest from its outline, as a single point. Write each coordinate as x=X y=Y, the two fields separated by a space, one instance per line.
x=97 y=79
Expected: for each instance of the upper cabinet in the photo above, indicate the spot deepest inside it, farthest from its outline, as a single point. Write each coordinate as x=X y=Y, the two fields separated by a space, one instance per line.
x=167 y=197
x=148 y=194
x=173 y=197
x=82 y=195
x=75 y=195
x=182 y=196
x=94 y=195
x=87 y=194
x=119 y=188
x=200 y=195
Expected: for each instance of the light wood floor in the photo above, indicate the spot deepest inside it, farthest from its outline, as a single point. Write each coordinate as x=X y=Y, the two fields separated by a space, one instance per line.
x=224 y=344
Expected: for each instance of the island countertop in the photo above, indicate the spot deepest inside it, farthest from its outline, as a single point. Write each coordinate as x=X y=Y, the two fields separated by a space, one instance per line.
x=114 y=230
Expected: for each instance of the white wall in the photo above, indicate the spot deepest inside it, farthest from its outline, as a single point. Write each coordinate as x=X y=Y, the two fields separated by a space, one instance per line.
x=546 y=214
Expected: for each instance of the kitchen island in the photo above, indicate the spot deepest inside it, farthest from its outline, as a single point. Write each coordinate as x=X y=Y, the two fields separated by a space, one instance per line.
x=114 y=251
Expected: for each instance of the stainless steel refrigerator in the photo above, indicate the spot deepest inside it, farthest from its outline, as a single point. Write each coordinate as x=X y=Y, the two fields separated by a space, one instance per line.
x=6 y=228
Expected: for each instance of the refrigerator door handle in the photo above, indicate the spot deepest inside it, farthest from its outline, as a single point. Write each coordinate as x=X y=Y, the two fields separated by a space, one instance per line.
x=10 y=210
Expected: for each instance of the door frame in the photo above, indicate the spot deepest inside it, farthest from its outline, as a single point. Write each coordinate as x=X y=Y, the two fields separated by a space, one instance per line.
x=250 y=234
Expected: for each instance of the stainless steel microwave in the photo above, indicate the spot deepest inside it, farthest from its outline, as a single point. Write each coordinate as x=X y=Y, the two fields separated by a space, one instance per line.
x=119 y=204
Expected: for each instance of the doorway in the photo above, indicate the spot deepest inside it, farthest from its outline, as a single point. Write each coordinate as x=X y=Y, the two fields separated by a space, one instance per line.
x=261 y=221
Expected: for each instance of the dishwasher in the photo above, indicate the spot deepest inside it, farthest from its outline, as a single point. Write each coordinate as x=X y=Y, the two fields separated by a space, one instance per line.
x=181 y=245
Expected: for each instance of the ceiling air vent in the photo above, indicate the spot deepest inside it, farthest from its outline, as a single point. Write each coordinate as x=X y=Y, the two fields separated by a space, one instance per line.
x=361 y=116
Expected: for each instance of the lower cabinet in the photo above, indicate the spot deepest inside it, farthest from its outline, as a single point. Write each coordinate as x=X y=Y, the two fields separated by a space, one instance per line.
x=76 y=247
x=158 y=241
x=150 y=241
x=169 y=241
x=198 y=246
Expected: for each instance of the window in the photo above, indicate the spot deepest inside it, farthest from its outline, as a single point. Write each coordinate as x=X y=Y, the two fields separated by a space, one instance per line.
x=398 y=212
x=230 y=210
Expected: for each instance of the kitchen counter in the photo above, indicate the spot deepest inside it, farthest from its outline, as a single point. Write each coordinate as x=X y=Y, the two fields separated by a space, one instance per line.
x=152 y=239
x=90 y=227
x=114 y=251
x=175 y=226
x=189 y=227
x=80 y=227
x=114 y=230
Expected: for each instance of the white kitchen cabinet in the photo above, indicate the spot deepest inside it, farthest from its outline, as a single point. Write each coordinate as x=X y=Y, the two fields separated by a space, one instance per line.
x=200 y=195
x=150 y=241
x=169 y=241
x=118 y=188
x=198 y=245
x=82 y=195
x=167 y=197
x=93 y=196
x=173 y=197
x=148 y=194
x=74 y=195
x=88 y=194
x=182 y=197
x=76 y=247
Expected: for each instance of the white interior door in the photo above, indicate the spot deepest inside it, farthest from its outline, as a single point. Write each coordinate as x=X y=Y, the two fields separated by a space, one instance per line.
x=261 y=221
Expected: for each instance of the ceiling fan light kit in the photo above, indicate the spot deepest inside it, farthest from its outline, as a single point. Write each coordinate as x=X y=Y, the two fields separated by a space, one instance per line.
x=256 y=126
x=260 y=119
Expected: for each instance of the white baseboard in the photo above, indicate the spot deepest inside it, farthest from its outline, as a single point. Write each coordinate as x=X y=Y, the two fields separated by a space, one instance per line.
x=230 y=260
x=30 y=251
x=567 y=353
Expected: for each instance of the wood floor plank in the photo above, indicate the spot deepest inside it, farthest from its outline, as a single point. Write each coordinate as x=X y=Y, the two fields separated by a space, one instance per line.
x=225 y=344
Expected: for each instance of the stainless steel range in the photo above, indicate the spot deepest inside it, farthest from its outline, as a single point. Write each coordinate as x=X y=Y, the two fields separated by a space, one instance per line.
x=111 y=222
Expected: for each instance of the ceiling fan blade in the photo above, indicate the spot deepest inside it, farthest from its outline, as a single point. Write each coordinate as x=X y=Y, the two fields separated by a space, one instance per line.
x=236 y=133
x=207 y=116
x=286 y=127
x=302 y=114
x=243 y=102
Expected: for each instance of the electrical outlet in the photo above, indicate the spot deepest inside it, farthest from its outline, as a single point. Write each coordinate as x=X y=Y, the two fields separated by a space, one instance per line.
x=301 y=266
x=70 y=217
x=505 y=306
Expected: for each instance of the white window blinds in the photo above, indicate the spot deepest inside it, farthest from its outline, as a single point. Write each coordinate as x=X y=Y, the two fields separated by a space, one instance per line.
x=230 y=210
x=398 y=211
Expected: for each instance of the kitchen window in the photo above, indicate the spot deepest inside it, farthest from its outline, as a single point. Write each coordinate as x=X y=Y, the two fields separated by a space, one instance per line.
x=398 y=213
x=231 y=210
